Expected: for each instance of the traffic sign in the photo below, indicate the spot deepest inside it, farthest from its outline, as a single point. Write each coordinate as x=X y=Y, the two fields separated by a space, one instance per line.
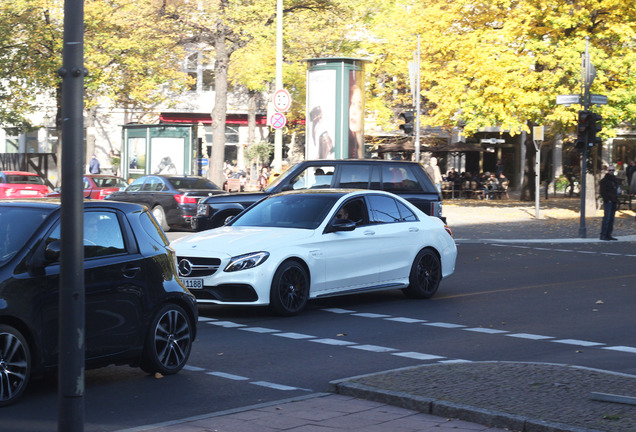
x=568 y=99
x=282 y=100
x=278 y=120
x=598 y=99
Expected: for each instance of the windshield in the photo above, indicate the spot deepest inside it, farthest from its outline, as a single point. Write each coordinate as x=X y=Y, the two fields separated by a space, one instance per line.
x=17 y=225
x=191 y=183
x=24 y=179
x=305 y=211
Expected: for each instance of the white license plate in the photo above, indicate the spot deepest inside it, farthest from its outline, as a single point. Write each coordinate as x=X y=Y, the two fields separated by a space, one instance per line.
x=192 y=283
x=28 y=192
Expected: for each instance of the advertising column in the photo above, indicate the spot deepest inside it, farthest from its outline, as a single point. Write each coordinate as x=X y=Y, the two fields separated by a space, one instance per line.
x=335 y=108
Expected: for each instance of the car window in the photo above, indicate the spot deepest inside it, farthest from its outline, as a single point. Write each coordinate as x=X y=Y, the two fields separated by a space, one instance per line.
x=399 y=179
x=17 y=225
x=354 y=210
x=136 y=185
x=153 y=184
x=315 y=177
x=102 y=234
x=191 y=183
x=87 y=184
x=355 y=176
x=405 y=213
x=104 y=182
x=288 y=211
x=384 y=209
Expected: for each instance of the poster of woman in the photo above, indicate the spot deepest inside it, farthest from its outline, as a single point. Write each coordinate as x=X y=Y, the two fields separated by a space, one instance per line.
x=356 y=115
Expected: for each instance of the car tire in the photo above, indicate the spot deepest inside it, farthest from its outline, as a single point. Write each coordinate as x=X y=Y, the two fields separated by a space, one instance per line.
x=425 y=276
x=160 y=215
x=15 y=364
x=290 y=289
x=168 y=342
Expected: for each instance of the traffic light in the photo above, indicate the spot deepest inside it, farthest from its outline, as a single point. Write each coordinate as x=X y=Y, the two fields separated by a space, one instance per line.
x=406 y=119
x=587 y=128
x=594 y=127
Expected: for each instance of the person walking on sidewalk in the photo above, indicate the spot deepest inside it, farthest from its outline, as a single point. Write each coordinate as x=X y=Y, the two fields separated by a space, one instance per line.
x=609 y=193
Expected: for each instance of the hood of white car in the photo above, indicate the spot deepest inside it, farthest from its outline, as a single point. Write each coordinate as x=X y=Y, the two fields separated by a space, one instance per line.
x=232 y=241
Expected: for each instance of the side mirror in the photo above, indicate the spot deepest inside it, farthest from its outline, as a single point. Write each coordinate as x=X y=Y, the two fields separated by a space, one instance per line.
x=52 y=251
x=341 y=225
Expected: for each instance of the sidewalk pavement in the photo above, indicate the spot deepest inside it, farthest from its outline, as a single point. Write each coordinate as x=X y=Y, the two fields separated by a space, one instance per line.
x=463 y=396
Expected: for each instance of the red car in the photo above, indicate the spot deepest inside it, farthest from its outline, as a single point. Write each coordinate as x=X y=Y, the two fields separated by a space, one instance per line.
x=98 y=186
x=22 y=184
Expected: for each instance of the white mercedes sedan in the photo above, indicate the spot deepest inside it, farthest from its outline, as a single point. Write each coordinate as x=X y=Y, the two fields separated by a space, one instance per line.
x=295 y=246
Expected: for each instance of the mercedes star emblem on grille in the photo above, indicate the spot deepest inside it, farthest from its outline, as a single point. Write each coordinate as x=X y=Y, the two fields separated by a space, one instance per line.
x=185 y=267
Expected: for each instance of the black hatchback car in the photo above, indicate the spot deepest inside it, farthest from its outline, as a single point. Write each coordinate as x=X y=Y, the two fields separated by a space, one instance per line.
x=172 y=199
x=403 y=178
x=137 y=310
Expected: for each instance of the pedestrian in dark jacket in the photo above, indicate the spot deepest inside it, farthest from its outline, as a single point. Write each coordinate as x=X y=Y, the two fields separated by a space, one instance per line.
x=609 y=193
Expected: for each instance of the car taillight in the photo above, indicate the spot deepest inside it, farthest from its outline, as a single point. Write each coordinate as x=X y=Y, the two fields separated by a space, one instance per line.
x=185 y=199
x=448 y=230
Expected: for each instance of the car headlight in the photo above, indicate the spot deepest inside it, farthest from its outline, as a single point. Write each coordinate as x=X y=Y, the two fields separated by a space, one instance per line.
x=247 y=261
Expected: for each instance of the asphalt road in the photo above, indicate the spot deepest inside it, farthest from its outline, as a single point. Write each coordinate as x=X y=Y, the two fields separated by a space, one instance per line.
x=560 y=303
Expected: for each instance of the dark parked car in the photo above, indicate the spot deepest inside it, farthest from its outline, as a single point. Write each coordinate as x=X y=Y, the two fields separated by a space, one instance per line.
x=406 y=179
x=172 y=199
x=98 y=186
x=137 y=310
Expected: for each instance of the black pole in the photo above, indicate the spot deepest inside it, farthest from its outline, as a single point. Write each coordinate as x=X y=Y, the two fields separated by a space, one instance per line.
x=71 y=315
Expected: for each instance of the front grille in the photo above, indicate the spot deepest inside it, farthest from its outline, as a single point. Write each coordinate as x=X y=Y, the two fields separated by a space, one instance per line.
x=227 y=293
x=197 y=267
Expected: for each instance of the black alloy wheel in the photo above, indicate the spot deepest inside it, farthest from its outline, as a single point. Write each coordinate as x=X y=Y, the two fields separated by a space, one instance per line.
x=290 y=289
x=169 y=341
x=15 y=364
x=426 y=274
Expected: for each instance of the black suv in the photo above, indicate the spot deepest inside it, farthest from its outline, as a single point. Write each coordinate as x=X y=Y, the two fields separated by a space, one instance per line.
x=407 y=179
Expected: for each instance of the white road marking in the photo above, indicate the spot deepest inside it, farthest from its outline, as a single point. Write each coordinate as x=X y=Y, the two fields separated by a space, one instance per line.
x=259 y=330
x=405 y=320
x=276 y=386
x=228 y=376
x=337 y=342
x=577 y=342
x=226 y=324
x=621 y=348
x=371 y=315
x=417 y=356
x=294 y=335
x=444 y=325
x=338 y=311
x=372 y=348
x=193 y=368
x=529 y=336
x=485 y=330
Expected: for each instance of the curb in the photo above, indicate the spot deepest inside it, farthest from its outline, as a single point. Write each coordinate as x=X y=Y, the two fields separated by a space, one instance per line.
x=442 y=408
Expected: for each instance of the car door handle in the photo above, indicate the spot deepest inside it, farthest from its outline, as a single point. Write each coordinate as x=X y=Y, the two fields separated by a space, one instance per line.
x=369 y=232
x=130 y=271
x=414 y=229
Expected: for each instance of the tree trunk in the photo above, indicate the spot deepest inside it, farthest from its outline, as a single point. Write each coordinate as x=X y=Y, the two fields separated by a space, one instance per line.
x=528 y=183
x=219 y=112
x=251 y=116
